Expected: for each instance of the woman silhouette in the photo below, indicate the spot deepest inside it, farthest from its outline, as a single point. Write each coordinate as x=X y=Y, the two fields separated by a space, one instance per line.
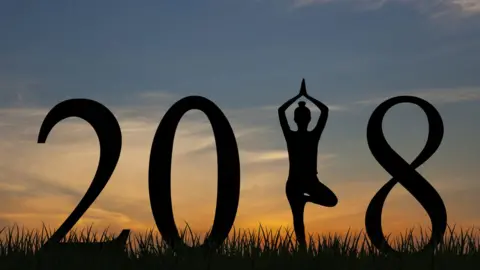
x=303 y=185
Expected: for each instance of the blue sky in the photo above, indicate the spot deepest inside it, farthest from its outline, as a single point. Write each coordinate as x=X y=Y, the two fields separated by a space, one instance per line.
x=249 y=48
x=138 y=57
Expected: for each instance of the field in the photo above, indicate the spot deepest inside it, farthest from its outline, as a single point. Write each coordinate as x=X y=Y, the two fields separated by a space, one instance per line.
x=244 y=249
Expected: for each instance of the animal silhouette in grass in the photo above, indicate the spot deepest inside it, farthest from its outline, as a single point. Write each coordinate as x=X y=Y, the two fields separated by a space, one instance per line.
x=117 y=244
x=80 y=255
x=303 y=185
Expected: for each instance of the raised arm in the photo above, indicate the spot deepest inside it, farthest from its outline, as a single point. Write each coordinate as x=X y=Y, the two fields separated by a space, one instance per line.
x=282 y=116
x=322 y=120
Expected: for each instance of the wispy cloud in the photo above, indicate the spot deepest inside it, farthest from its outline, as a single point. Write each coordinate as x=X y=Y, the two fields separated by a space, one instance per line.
x=157 y=96
x=363 y=4
x=436 y=96
x=468 y=6
x=276 y=155
x=331 y=107
x=435 y=7
x=304 y=3
x=18 y=91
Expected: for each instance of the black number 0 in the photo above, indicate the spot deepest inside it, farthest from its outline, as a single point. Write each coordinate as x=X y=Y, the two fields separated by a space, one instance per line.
x=228 y=164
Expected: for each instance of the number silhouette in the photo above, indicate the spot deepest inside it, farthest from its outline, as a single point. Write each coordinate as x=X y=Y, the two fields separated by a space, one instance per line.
x=110 y=137
x=228 y=164
x=405 y=174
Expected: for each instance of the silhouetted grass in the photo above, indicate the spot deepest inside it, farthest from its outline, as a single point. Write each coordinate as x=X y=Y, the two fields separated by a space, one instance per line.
x=245 y=249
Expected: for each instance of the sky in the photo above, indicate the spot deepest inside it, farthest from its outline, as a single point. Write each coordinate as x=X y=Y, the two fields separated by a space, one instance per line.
x=139 y=57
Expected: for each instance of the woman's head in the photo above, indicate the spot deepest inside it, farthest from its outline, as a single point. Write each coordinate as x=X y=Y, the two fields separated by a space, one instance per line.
x=302 y=116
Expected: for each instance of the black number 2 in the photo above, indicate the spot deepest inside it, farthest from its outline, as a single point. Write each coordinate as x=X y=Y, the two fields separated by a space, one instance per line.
x=109 y=134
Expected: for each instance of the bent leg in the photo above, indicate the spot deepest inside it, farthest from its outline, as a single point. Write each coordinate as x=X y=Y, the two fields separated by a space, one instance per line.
x=320 y=194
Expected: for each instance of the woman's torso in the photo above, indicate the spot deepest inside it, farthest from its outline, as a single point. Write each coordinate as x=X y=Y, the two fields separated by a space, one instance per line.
x=302 y=154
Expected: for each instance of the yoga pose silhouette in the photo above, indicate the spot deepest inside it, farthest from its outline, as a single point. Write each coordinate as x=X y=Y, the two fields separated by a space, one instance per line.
x=303 y=185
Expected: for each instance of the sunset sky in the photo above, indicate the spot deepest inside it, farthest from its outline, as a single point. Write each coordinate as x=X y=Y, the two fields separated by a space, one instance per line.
x=247 y=56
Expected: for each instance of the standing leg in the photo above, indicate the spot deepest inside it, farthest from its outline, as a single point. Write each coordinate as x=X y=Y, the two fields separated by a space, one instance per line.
x=297 y=204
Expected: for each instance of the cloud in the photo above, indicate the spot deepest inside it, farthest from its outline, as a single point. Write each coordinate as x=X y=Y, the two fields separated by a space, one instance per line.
x=304 y=3
x=331 y=107
x=249 y=157
x=363 y=4
x=435 y=7
x=18 y=91
x=157 y=96
x=468 y=6
x=436 y=96
x=265 y=156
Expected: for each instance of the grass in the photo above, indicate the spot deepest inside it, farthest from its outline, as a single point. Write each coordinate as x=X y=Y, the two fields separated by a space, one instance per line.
x=244 y=249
